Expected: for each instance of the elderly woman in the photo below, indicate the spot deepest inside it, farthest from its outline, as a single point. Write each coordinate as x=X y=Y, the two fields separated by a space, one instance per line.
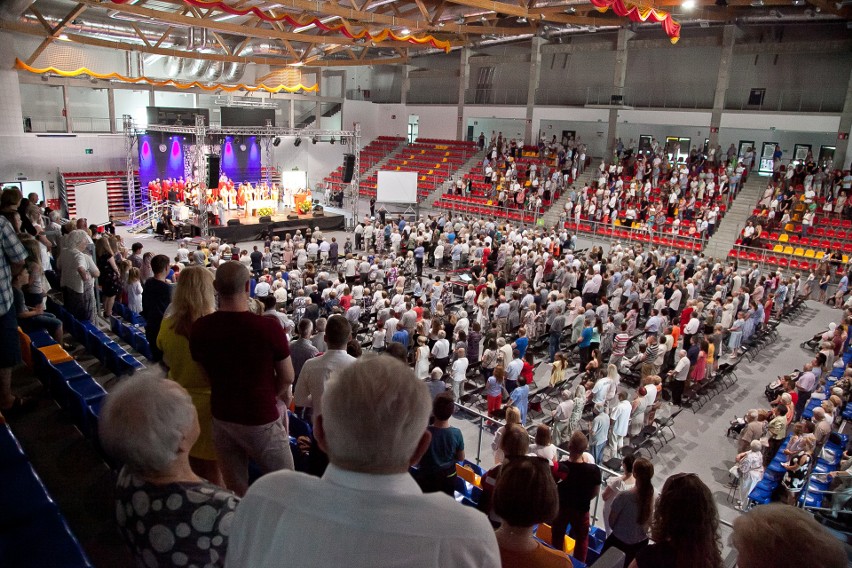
x=749 y=468
x=77 y=270
x=168 y=515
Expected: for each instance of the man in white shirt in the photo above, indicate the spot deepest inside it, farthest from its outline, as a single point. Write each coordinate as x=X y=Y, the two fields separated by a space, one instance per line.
x=441 y=351
x=679 y=375
x=317 y=371
x=459 y=371
x=313 y=521
x=620 y=418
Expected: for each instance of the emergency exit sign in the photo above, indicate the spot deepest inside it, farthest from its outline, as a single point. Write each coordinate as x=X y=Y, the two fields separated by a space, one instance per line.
x=89 y=151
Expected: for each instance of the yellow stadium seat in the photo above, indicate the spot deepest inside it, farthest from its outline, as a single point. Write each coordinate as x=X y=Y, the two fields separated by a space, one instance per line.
x=617 y=223
x=799 y=251
x=468 y=475
x=26 y=349
x=820 y=254
x=788 y=250
x=845 y=259
x=789 y=227
x=778 y=248
x=783 y=238
x=545 y=533
x=810 y=253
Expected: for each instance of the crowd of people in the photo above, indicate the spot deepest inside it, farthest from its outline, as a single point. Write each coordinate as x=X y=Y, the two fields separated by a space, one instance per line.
x=380 y=443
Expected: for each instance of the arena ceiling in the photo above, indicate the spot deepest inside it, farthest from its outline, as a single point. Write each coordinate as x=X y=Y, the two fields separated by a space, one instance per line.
x=323 y=33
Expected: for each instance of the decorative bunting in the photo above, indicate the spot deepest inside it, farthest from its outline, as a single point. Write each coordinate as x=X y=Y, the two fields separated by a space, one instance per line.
x=170 y=82
x=345 y=28
x=641 y=14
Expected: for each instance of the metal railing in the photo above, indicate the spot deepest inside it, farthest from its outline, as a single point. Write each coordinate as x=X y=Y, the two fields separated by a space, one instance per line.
x=493 y=210
x=480 y=420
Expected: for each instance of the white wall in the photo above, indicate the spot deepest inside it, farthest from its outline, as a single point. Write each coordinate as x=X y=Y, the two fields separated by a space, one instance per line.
x=318 y=160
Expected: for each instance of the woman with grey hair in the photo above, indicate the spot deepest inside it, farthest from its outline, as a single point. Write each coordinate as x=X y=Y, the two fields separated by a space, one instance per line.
x=77 y=270
x=168 y=515
x=750 y=469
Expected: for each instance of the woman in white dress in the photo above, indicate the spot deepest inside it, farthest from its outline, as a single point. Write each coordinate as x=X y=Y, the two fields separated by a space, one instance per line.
x=615 y=485
x=421 y=359
x=750 y=466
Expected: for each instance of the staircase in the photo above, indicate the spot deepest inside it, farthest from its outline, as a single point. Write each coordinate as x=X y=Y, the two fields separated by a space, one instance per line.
x=310 y=117
x=735 y=218
x=380 y=164
x=551 y=216
x=474 y=160
x=140 y=220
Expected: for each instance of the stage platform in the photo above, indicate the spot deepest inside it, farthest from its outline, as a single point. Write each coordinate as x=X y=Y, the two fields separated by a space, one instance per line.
x=253 y=229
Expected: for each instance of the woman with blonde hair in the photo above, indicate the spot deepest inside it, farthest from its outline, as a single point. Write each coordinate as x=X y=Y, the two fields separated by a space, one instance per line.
x=193 y=298
x=513 y=417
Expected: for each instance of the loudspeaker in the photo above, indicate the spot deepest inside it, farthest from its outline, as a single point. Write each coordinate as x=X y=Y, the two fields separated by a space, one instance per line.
x=232 y=222
x=319 y=213
x=292 y=216
x=266 y=219
x=348 y=167
x=616 y=99
x=213 y=171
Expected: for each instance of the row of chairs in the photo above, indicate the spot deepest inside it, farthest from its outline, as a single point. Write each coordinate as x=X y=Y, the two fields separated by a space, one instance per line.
x=33 y=531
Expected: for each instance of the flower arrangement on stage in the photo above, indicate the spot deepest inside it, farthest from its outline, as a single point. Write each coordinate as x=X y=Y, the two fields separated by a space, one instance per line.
x=304 y=206
x=265 y=212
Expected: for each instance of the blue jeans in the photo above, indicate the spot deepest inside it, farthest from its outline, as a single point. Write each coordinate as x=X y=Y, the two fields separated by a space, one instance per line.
x=554 y=345
x=597 y=451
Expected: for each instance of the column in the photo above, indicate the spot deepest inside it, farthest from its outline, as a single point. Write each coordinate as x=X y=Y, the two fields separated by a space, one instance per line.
x=69 y=127
x=464 y=79
x=722 y=81
x=619 y=76
x=291 y=113
x=111 y=105
x=532 y=88
x=318 y=108
x=842 y=157
x=406 y=84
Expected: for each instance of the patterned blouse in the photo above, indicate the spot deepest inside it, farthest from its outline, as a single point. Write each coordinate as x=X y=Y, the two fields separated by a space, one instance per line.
x=176 y=524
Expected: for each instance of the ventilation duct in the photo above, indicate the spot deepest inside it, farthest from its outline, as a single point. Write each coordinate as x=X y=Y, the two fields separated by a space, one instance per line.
x=233 y=72
x=14 y=9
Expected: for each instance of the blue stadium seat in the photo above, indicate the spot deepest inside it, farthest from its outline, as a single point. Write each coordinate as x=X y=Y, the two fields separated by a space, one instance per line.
x=23 y=497
x=80 y=393
x=298 y=427
x=44 y=541
x=11 y=453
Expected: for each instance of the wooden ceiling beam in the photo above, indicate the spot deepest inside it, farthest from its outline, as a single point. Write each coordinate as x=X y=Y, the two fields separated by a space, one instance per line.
x=53 y=32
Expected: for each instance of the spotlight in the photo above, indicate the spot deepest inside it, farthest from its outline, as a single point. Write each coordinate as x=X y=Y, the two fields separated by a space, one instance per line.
x=688 y=4
x=163 y=148
x=332 y=140
x=242 y=147
x=314 y=140
x=297 y=141
x=276 y=141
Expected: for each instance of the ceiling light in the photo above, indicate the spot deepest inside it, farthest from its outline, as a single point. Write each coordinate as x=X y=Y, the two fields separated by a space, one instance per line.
x=63 y=37
x=757 y=3
x=571 y=10
x=798 y=2
x=688 y=4
x=405 y=31
x=522 y=20
x=440 y=24
x=460 y=20
x=162 y=148
x=483 y=18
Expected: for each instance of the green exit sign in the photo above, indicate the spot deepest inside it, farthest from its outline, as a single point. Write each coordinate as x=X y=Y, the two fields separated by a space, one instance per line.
x=89 y=151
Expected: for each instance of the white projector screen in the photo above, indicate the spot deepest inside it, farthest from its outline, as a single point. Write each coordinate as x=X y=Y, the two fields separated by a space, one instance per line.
x=91 y=202
x=296 y=180
x=396 y=187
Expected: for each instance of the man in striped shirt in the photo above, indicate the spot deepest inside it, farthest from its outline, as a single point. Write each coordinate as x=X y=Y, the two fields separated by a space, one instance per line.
x=619 y=345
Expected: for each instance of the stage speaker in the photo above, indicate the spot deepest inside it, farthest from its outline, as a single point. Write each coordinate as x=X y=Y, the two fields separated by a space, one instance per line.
x=348 y=167
x=292 y=216
x=266 y=219
x=232 y=222
x=319 y=213
x=212 y=171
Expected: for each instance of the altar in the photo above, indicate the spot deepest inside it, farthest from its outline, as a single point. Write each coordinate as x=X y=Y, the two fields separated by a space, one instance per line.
x=253 y=206
x=299 y=198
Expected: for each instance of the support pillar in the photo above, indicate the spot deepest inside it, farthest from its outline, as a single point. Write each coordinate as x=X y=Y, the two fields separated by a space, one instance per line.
x=406 y=84
x=842 y=156
x=618 y=79
x=532 y=88
x=66 y=102
x=291 y=114
x=464 y=79
x=722 y=81
x=111 y=109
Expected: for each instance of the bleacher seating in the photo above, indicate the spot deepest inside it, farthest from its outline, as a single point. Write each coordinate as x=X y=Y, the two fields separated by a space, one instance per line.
x=374 y=152
x=482 y=206
x=33 y=532
x=433 y=160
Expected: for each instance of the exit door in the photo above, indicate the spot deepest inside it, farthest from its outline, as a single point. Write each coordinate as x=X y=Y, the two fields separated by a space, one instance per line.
x=741 y=152
x=413 y=128
x=568 y=135
x=677 y=148
x=645 y=144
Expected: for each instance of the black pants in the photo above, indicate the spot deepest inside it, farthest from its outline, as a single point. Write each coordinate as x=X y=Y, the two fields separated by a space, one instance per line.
x=771 y=450
x=436 y=481
x=629 y=550
x=677 y=391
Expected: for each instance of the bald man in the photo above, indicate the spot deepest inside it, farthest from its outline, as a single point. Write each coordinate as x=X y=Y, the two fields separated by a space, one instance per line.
x=247 y=359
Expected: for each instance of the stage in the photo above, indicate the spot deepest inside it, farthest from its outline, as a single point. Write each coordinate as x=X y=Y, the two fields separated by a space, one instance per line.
x=253 y=229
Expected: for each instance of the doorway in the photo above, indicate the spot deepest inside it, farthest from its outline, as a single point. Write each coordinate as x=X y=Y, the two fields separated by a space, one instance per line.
x=800 y=153
x=766 y=164
x=743 y=148
x=568 y=136
x=677 y=148
x=645 y=144
x=413 y=128
x=826 y=155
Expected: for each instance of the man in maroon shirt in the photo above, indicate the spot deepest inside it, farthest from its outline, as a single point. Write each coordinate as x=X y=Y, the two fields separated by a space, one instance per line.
x=247 y=359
